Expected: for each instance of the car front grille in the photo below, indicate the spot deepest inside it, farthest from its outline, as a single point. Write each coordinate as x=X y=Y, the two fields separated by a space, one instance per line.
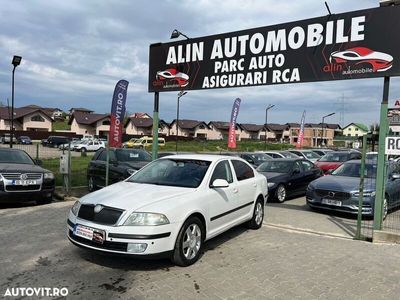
x=17 y=176
x=107 y=216
x=333 y=194
x=23 y=188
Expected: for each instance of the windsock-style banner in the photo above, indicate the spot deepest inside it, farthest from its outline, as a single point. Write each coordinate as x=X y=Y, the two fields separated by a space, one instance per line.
x=301 y=133
x=232 y=124
x=118 y=113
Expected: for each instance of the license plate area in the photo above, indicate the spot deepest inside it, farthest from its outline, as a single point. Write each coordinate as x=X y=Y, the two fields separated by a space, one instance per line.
x=331 y=202
x=24 y=182
x=89 y=233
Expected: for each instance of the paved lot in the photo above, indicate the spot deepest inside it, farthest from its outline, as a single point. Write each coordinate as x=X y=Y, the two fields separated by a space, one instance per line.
x=44 y=152
x=270 y=263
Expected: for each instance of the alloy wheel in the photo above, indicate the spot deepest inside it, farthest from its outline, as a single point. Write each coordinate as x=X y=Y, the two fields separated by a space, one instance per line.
x=191 y=241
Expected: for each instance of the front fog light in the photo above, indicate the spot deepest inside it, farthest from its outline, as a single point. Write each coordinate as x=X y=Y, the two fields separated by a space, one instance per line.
x=137 y=248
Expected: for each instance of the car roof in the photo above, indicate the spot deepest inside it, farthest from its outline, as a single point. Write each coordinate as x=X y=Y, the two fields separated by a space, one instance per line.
x=207 y=157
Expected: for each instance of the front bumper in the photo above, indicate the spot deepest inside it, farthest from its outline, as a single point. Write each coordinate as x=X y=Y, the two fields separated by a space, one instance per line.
x=349 y=205
x=158 y=239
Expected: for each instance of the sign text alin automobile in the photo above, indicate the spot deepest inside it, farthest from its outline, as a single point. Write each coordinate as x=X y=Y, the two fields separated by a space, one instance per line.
x=352 y=45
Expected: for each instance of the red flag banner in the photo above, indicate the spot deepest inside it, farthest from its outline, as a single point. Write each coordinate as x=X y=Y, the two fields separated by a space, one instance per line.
x=301 y=133
x=232 y=124
x=118 y=114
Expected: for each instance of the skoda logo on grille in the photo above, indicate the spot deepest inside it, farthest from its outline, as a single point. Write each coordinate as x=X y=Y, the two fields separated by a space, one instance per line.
x=98 y=208
x=331 y=194
x=24 y=176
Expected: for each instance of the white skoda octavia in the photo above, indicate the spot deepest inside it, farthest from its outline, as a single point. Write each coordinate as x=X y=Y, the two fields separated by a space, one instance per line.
x=171 y=206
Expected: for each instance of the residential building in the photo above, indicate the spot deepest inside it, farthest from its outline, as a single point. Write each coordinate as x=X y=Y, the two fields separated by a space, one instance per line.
x=190 y=128
x=355 y=130
x=220 y=131
x=26 y=118
x=80 y=109
x=252 y=131
x=144 y=126
x=315 y=135
x=89 y=123
x=277 y=133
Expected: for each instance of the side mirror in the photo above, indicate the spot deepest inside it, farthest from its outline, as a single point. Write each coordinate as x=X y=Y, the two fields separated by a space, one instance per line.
x=39 y=162
x=220 y=183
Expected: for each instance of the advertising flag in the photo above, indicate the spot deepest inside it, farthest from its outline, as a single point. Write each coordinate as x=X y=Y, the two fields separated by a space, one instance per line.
x=232 y=124
x=118 y=113
x=301 y=133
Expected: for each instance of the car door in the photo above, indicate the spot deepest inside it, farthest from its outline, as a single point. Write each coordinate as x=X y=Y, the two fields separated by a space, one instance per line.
x=310 y=172
x=98 y=168
x=295 y=184
x=222 y=201
x=247 y=188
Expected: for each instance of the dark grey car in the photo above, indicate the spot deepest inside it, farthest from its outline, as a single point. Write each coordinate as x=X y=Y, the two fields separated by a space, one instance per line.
x=340 y=191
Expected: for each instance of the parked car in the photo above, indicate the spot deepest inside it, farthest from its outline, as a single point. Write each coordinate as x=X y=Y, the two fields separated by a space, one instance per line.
x=147 y=141
x=55 y=141
x=340 y=191
x=288 y=177
x=130 y=143
x=7 y=138
x=334 y=159
x=22 y=179
x=321 y=151
x=171 y=207
x=24 y=140
x=122 y=164
x=72 y=143
x=89 y=145
x=281 y=154
x=253 y=158
x=307 y=154
x=371 y=155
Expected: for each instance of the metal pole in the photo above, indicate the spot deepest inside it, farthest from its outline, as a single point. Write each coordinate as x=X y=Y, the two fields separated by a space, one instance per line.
x=322 y=134
x=361 y=188
x=266 y=129
x=12 y=110
x=69 y=170
x=380 y=173
x=154 y=152
x=107 y=160
x=177 y=124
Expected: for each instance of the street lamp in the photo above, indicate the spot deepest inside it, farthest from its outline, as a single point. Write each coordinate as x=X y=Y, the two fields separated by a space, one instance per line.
x=266 y=121
x=180 y=94
x=176 y=33
x=15 y=62
x=323 y=122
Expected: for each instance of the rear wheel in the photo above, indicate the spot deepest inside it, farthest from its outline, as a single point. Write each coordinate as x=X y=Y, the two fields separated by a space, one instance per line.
x=91 y=184
x=280 y=193
x=83 y=150
x=189 y=242
x=258 y=216
x=385 y=208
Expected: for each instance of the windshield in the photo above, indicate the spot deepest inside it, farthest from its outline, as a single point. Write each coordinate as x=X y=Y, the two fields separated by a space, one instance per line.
x=259 y=157
x=288 y=154
x=310 y=154
x=352 y=169
x=172 y=172
x=15 y=157
x=335 y=157
x=276 y=166
x=132 y=155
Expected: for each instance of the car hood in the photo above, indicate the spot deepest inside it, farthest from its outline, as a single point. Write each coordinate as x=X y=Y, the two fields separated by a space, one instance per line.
x=21 y=168
x=274 y=177
x=342 y=183
x=132 y=196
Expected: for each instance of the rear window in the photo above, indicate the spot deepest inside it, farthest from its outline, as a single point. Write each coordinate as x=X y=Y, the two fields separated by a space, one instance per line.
x=242 y=170
x=335 y=157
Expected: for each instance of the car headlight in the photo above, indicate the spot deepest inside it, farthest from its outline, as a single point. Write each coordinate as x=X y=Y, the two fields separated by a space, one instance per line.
x=365 y=194
x=131 y=171
x=146 y=219
x=271 y=184
x=75 y=208
x=48 y=175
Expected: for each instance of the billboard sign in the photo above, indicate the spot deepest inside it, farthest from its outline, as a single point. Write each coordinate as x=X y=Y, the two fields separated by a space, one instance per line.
x=359 y=44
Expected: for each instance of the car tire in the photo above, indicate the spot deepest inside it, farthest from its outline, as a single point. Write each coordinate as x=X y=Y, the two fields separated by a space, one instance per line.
x=385 y=208
x=83 y=150
x=258 y=216
x=189 y=243
x=91 y=184
x=280 y=193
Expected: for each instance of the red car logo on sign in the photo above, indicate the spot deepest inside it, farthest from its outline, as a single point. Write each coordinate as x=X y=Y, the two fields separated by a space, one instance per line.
x=361 y=56
x=174 y=77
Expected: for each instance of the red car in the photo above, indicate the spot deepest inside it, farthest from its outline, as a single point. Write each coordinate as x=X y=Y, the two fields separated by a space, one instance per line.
x=379 y=61
x=174 y=76
x=333 y=160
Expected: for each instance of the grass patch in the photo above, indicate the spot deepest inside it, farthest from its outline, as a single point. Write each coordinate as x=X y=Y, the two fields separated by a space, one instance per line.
x=61 y=125
x=79 y=167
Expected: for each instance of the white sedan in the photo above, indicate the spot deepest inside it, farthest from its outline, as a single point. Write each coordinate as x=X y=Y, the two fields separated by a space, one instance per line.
x=171 y=206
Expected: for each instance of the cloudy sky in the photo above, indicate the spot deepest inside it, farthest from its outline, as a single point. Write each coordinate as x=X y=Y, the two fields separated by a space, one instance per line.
x=75 y=51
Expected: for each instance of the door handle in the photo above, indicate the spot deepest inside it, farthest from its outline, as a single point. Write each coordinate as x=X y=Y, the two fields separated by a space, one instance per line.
x=235 y=191
x=255 y=184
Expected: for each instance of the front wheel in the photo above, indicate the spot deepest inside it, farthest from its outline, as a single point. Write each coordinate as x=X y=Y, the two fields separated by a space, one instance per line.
x=91 y=184
x=385 y=209
x=280 y=193
x=189 y=242
x=83 y=150
x=258 y=216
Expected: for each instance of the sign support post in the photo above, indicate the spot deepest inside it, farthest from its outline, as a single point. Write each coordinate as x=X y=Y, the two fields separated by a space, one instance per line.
x=154 y=152
x=380 y=176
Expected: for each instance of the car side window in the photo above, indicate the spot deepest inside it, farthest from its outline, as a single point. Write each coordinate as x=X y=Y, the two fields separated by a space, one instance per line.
x=297 y=167
x=307 y=166
x=242 y=170
x=222 y=171
x=102 y=156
